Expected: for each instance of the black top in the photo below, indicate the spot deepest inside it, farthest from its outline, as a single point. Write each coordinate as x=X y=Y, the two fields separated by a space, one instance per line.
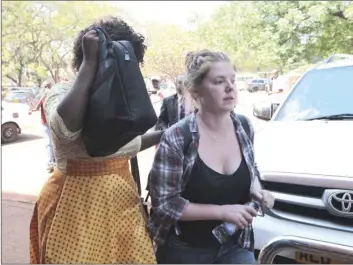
x=207 y=186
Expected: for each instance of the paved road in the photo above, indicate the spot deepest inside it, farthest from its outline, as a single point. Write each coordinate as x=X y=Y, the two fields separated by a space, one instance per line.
x=15 y=231
x=23 y=175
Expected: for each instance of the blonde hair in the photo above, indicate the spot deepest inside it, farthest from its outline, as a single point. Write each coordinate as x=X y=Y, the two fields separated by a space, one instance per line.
x=198 y=65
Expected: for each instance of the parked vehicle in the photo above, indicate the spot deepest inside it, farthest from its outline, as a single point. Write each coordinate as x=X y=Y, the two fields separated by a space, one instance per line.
x=304 y=155
x=257 y=84
x=14 y=117
x=33 y=90
x=245 y=77
x=20 y=96
x=9 y=126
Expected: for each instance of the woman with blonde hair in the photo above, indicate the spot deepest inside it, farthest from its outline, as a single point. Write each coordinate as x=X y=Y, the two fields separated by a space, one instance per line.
x=195 y=189
x=89 y=210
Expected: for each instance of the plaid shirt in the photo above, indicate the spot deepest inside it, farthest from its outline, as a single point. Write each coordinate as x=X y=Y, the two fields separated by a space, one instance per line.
x=169 y=177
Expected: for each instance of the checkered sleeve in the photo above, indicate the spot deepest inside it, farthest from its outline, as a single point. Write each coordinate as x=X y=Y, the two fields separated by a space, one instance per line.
x=246 y=238
x=252 y=136
x=166 y=177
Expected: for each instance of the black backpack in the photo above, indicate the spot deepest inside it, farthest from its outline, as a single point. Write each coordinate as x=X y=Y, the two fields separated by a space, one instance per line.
x=187 y=141
x=119 y=108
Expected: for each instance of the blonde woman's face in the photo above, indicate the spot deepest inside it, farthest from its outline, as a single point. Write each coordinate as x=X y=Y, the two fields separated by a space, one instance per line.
x=218 y=92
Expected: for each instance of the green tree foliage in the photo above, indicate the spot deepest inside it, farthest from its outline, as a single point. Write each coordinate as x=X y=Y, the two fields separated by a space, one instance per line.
x=17 y=41
x=305 y=30
x=37 y=36
x=167 y=48
x=237 y=29
x=264 y=34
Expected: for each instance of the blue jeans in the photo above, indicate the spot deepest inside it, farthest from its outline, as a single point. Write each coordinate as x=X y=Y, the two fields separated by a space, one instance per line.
x=49 y=144
x=175 y=251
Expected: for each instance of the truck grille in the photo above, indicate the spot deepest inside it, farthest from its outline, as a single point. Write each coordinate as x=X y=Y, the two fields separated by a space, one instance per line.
x=301 y=208
x=302 y=190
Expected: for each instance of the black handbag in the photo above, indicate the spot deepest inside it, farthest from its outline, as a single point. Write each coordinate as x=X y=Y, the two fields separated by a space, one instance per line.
x=119 y=108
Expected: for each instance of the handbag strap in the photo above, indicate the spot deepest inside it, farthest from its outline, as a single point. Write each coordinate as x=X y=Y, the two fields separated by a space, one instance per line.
x=244 y=123
x=103 y=35
x=136 y=173
x=104 y=42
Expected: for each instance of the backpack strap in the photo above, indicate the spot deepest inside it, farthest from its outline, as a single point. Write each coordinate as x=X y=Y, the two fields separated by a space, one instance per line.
x=244 y=123
x=246 y=126
x=136 y=173
x=185 y=131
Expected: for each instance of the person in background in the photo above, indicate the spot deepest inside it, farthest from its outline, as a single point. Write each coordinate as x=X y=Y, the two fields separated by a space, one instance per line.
x=194 y=192
x=48 y=138
x=89 y=211
x=156 y=86
x=274 y=76
x=174 y=108
x=156 y=83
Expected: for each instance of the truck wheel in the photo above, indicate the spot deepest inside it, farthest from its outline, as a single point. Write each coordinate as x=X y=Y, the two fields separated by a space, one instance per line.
x=9 y=132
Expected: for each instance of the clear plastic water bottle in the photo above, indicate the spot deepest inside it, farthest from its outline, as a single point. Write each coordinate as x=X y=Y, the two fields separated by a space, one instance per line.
x=224 y=231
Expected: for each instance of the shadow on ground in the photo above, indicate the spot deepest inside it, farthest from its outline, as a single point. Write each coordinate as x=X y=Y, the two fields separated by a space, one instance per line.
x=24 y=138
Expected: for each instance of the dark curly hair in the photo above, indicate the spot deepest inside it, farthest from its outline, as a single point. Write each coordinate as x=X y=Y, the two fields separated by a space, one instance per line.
x=117 y=29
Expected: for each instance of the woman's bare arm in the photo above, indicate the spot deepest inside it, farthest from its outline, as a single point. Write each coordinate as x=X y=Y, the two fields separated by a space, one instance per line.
x=150 y=139
x=72 y=108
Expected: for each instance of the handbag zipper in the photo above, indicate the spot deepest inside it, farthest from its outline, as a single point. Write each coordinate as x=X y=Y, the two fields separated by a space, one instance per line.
x=127 y=55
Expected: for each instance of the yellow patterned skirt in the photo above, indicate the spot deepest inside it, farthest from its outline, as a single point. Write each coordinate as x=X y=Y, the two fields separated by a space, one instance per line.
x=92 y=214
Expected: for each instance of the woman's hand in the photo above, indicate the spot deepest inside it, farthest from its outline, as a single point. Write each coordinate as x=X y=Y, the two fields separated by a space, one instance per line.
x=264 y=197
x=90 y=43
x=240 y=215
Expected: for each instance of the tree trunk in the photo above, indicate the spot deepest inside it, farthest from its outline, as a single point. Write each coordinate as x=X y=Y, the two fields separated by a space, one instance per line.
x=20 y=72
x=39 y=82
x=12 y=79
x=56 y=77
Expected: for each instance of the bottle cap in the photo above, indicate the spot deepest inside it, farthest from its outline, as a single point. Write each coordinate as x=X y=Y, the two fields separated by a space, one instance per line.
x=254 y=204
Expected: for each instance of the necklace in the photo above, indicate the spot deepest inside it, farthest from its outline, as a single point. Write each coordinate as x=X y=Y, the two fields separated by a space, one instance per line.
x=209 y=135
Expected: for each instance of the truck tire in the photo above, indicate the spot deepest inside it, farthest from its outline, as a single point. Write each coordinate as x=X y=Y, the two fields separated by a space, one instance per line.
x=9 y=132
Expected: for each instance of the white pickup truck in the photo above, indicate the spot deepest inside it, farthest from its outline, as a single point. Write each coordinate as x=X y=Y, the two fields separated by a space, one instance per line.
x=13 y=117
x=305 y=157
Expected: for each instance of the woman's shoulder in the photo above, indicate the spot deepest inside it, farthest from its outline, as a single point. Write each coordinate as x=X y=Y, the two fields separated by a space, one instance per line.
x=245 y=122
x=178 y=133
x=237 y=117
x=59 y=88
x=56 y=93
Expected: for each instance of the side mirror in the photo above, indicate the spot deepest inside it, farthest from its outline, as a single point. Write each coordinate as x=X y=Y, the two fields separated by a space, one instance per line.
x=263 y=110
x=274 y=107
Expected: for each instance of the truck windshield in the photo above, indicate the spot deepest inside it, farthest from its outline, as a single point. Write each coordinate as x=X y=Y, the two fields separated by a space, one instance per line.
x=321 y=92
